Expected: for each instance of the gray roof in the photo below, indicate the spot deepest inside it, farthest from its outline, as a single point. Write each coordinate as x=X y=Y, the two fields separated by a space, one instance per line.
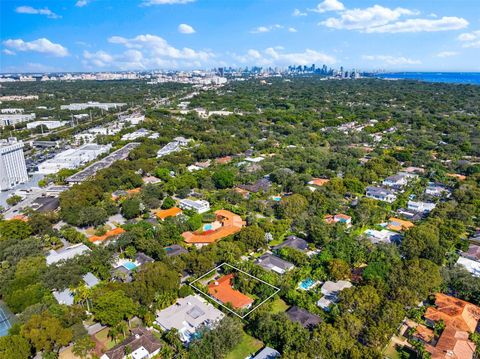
x=262 y=184
x=379 y=191
x=90 y=280
x=67 y=253
x=175 y=250
x=139 y=338
x=293 y=242
x=142 y=258
x=304 y=317
x=273 y=263
x=267 y=353
x=64 y=297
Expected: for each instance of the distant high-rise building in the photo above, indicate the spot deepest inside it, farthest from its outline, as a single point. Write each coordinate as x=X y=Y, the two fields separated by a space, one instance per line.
x=13 y=169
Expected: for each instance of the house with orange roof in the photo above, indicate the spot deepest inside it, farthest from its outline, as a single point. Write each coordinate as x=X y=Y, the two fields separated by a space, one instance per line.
x=166 y=213
x=457 y=176
x=223 y=160
x=222 y=290
x=109 y=235
x=399 y=225
x=460 y=319
x=319 y=182
x=227 y=223
x=19 y=217
x=339 y=218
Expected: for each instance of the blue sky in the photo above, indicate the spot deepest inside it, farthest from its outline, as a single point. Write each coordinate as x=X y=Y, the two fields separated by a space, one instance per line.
x=101 y=35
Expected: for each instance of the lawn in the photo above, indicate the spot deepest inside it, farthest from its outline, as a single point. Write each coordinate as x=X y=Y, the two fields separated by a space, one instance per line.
x=102 y=336
x=278 y=305
x=248 y=346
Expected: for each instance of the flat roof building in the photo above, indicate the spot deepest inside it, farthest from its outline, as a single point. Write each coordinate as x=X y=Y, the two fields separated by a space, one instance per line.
x=67 y=253
x=91 y=104
x=199 y=206
x=48 y=124
x=13 y=170
x=13 y=119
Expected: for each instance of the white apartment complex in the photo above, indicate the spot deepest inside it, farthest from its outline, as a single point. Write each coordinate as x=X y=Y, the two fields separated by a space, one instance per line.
x=73 y=158
x=13 y=169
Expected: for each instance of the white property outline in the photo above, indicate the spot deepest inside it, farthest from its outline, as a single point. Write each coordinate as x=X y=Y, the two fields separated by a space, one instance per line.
x=224 y=306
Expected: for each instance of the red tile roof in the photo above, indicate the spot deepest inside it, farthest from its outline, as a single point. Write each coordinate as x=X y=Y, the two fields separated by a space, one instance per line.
x=222 y=290
x=171 y=212
x=112 y=233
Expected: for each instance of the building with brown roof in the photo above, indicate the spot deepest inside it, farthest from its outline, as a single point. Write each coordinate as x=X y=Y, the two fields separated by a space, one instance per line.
x=397 y=224
x=141 y=344
x=460 y=318
x=228 y=223
x=319 y=182
x=222 y=290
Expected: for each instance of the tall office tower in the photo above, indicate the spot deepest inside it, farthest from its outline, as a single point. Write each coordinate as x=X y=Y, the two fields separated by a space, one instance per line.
x=13 y=169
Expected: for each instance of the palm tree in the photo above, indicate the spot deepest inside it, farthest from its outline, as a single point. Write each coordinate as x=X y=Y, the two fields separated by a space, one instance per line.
x=82 y=295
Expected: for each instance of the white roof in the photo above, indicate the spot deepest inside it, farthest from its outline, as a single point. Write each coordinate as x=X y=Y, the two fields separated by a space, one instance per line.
x=67 y=253
x=470 y=265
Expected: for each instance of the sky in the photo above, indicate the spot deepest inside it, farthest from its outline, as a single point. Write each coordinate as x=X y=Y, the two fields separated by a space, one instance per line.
x=112 y=35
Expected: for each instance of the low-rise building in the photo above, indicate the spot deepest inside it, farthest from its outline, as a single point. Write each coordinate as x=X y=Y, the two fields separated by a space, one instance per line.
x=382 y=236
x=167 y=213
x=399 y=180
x=188 y=315
x=92 y=104
x=67 y=253
x=222 y=290
x=330 y=291
x=141 y=344
x=267 y=353
x=199 y=206
x=273 y=263
x=13 y=119
x=303 y=317
x=293 y=242
x=420 y=207
x=381 y=194
x=473 y=266
x=48 y=124
x=397 y=224
x=436 y=190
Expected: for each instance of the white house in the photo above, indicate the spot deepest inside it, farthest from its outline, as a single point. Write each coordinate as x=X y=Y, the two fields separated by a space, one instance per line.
x=381 y=194
x=200 y=206
x=420 y=207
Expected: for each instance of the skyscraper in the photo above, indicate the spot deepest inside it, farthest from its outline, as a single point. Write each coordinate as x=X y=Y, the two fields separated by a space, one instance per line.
x=13 y=169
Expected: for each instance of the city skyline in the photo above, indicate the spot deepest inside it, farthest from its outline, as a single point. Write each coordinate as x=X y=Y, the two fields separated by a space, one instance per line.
x=94 y=35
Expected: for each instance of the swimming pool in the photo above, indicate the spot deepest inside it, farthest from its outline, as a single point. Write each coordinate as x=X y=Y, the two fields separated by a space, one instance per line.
x=307 y=284
x=4 y=323
x=130 y=265
x=277 y=198
x=208 y=227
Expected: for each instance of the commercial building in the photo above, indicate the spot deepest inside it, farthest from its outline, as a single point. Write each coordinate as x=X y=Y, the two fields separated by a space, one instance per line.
x=48 y=124
x=199 y=206
x=13 y=169
x=13 y=119
x=73 y=158
x=11 y=110
x=92 y=104
x=134 y=118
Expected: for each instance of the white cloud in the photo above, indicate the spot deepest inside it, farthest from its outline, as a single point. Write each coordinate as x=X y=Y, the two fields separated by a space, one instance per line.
x=391 y=60
x=380 y=19
x=276 y=57
x=42 y=45
x=470 y=39
x=292 y=29
x=185 y=29
x=8 y=52
x=423 y=25
x=363 y=19
x=297 y=12
x=81 y=3
x=32 y=11
x=329 y=5
x=166 y=2
x=444 y=54
x=263 y=29
x=147 y=52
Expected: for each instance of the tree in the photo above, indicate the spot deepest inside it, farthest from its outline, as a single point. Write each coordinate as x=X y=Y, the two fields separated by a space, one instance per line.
x=83 y=346
x=15 y=229
x=46 y=333
x=168 y=202
x=13 y=200
x=253 y=237
x=223 y=178
x=112 y=307
x=131 y=208
x=154 y=279
x=292 y=206
x=339 y=269
x=14 y=347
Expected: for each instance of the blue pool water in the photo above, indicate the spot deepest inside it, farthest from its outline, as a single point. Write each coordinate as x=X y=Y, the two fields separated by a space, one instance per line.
x=130 y=265
x=277 y=199
x=207 y=227
x=306 y=284
x=4 y=323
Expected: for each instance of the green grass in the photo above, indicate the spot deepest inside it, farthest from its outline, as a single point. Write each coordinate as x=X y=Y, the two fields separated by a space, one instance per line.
x=249 y=345
x=102 y=336
x=278 y=305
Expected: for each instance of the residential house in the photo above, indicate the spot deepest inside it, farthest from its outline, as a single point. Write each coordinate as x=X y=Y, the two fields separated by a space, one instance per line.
x=319 y=182
x=167 y=213
x=330 y=291
x=382 y=236
x=304 y=317
x=381 y=194
x=293 y=242
x=66 y=253
x=399 y=180
x=267 y=353
x=339 y=218
x=199 y=206
x=473 y=266
x=473 y=252
x=397 y=224
x=188 y=315
x=262 y=184
x=273 y=263
x=420 y=207
x=124 y=268
x=226 y=224
x=436 y=190
x=65 y=297
x=175 y=250
x=222 y=290
x=90 y=280
x=107 y=236
x=141 y=344
x=460 y=319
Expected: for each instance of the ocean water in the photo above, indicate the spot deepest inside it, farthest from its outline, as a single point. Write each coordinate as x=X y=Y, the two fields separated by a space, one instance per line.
x=472 y=78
